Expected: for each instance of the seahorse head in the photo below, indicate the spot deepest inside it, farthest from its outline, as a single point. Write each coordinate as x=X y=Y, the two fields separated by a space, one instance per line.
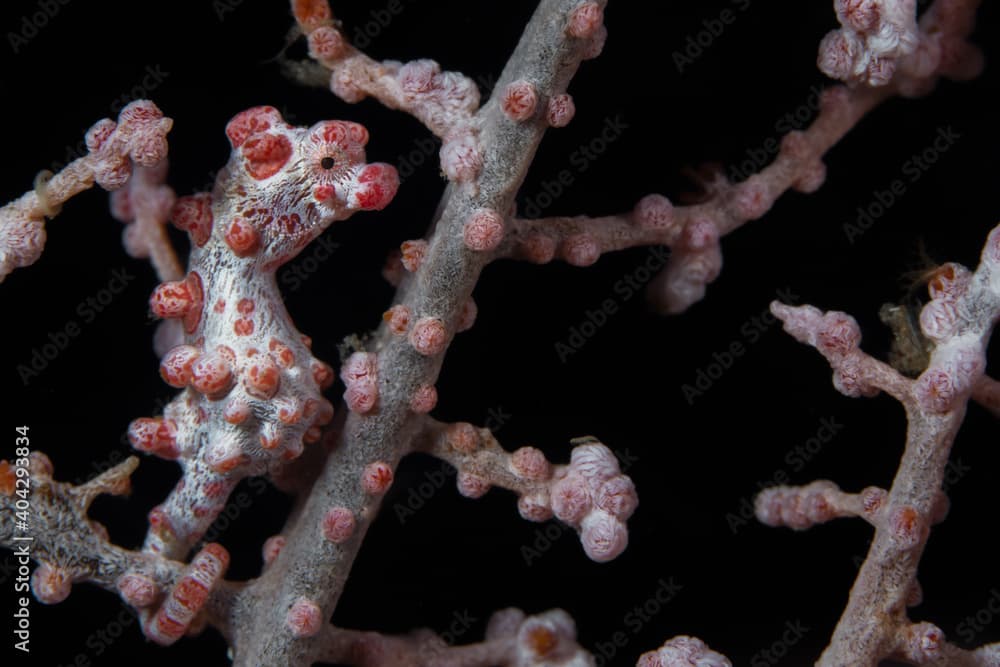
x=287 y=184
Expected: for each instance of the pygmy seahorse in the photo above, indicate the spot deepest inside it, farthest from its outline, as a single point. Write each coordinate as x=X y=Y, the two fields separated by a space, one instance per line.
x=251 y=388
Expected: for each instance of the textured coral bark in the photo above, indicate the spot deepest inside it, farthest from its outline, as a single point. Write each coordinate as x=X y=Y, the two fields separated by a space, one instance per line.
x=310 y=565
x=959 y=320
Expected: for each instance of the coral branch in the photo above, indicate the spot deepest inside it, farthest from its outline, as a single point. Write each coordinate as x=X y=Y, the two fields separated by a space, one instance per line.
x=805 y=506
x=312 y=566
x=590 y=493
x=440 y=100
x=144 y=205
x=693 y=232
x=683 y=652
x=73 y=548
x=873 y=36
x=512 y=640
x=837 y=337
x=877 y=38
x=958 y=319
x=139 y=137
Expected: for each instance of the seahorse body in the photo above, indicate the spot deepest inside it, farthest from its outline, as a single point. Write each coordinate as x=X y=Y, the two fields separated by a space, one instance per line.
x=251 y=388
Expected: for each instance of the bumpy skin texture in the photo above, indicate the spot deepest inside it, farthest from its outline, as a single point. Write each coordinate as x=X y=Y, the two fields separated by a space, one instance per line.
x=252 y=391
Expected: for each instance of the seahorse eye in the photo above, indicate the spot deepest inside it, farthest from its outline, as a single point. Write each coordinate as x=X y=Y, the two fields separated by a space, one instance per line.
x=327 y=162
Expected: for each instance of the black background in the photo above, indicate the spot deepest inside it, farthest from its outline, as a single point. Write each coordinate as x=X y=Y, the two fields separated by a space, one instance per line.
x=696 y=463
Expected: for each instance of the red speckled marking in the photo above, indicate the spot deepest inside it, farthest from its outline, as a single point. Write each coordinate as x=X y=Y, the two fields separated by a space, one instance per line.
x=331 y=132
x=262 y=378
x=358 y=133
x=175 y=368
x=266 y=154
x=167 y=629
x=211 y=374
x=243 y=327
x=323 y=192
x=171 y=299
x=227 y=354
x=236 y=412
x=154 y=435
x=158 y=521
x=220 y=306
x=188 y=597
x=289 y=411
x=245 y=306
x=193 y=315
x=378 y=184
x=251 y=121
x=281 y=353
x=193 y=214
x=227 y=464
x=242 y=238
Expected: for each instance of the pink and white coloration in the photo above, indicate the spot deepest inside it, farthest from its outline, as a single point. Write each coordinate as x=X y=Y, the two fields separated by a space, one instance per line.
x=874 y=35
x=589 y=493
x=138 y=590
x=683 y=652
x=185 y=601
x=376 y=478
x=304 y=618
x=360 y=375
x=252 y=389
x=874 y=625
x=585 y=20
x=272 y=548
x=398 y=319
x=338 y=524
x=461 y=155
x=592 y=495
x=429 y=336
x=413 y=254
x=803 y=507
x=484 y=230
x=519 y=101
x=138 y=138
x=560 y=110
x=424 y=399
x=144 y=204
